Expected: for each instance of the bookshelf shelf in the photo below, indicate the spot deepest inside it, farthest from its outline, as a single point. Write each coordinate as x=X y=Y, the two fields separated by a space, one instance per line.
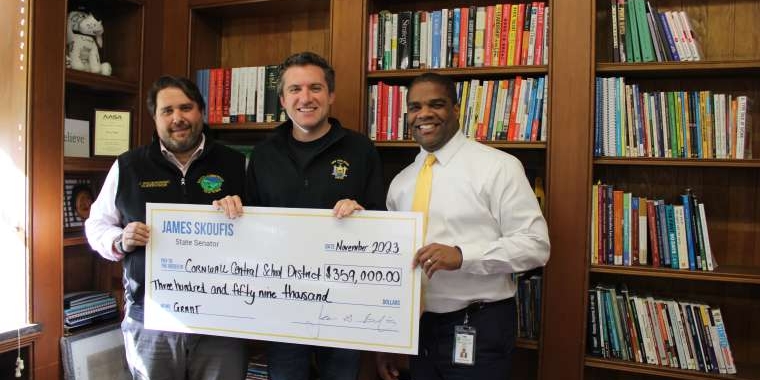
x=745 y=372
x=87 y=165
x=71 y=241
x=97 y=82
x=669 y=69
x=257 y=5
x=470 y=72
x=724 y=273
x=528 y=344
x=691 y=162
x=245 y=126
x=495 y=144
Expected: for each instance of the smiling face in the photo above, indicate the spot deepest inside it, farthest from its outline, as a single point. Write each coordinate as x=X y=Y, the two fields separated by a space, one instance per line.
x=432 y=115
x=306 y=98
x=179 y=121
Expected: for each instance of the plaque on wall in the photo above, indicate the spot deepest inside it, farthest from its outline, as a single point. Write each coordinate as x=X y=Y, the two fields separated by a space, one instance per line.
x=112 y=132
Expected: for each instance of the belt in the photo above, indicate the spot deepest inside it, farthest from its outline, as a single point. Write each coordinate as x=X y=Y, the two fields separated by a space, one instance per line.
x=480 y=305
x=472 y=308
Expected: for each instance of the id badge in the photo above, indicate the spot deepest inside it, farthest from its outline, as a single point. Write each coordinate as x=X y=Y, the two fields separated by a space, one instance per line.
x=464 y=345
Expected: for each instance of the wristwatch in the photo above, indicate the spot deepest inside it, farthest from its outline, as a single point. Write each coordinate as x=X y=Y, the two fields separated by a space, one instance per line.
x=118 y=246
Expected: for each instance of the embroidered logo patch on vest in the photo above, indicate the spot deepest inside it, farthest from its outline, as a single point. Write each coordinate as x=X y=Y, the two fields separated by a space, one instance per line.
x=340 y=169
x=211 y=183
x=154 y=184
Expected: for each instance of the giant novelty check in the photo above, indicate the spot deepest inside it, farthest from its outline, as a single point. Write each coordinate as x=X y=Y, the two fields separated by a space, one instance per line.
x=287 y=275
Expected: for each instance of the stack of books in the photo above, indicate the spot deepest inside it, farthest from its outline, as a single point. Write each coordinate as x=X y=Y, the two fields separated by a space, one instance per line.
x=641 y=33
x=629 y=230
x=657 y=331
x=528 y=299
x=85 y=308
x=257 y=367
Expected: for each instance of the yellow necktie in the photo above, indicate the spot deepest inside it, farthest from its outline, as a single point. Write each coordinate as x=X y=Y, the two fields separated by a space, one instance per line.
x=421 y=201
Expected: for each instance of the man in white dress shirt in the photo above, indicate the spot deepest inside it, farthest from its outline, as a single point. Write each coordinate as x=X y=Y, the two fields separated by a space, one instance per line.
x=484 y=224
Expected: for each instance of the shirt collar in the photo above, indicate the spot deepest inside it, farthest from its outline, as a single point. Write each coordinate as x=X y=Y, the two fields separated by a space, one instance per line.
x=446 y=152
x=170 y=156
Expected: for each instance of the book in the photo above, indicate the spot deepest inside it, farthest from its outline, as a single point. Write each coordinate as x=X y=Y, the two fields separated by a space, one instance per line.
x=689 y=232
x=689 y=35
x=633 y=40
x=710 y=261
x=659 y=331
x=604 y=323
x=235 y=86
x=592 y=329
x=667 y=32
x=741 y=127
x=448 y=37
x=404 y=41
x=455 y=30
x=488 y=36
x=641 y=232
x=615 y=52
x=464 y=22
x=680 y=228
x=653 y=233
x=642 y=26
x=480 y=30
x=271 y=98
x=725 y=347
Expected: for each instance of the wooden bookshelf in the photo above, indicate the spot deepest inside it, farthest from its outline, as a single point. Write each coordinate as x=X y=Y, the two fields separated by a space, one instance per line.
x=694 y=68
x=748 y=371
x=687 y=162
x=72 y=241
x=97 y=82
x=83 y=93
x=468 y=72
x=727 y=187
x=245 y=126
x=496 y=144
x=528 y=344
x=96 y=165
x=724 y=273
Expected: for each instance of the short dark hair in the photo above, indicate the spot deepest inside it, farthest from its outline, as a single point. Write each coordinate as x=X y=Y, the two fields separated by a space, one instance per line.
x=446 y=82
x=184 y=84
x=303 y=59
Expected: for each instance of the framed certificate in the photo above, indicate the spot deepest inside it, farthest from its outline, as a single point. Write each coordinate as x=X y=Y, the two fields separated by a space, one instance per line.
x=112 y=132
x=95 y=354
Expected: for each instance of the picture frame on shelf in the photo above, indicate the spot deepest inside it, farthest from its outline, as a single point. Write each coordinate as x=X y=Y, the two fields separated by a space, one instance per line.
x=77 y=199
x=95 y=354
x=112 y=132
x=76 y=138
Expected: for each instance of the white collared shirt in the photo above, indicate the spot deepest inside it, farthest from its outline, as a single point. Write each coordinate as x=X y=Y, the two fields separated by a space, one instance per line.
x=104 y=224
x=482 y=202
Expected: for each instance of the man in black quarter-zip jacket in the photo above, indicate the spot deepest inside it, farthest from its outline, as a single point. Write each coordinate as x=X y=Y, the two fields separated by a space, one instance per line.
x=311 y=161
x=181 y=165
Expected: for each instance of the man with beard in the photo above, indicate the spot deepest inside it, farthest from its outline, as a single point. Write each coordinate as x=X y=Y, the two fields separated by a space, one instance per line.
x=181 y=165
x=472 y=246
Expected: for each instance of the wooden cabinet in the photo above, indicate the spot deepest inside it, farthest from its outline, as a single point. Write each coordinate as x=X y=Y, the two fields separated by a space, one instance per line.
x=257 y=33
x=123 y=22
x=728 y=187
x=62 y=261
